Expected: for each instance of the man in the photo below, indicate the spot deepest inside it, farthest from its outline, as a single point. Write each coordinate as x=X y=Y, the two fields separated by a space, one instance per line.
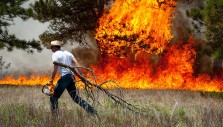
x=66 y=80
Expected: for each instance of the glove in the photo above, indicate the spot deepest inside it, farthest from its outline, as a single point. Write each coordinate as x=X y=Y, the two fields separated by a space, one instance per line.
x=50 y=82
x=50 y=85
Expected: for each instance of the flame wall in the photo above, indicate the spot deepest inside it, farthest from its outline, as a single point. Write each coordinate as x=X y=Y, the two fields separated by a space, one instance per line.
x=173 y=71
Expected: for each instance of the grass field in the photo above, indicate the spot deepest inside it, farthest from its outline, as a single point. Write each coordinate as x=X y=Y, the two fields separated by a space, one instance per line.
x=22 y=106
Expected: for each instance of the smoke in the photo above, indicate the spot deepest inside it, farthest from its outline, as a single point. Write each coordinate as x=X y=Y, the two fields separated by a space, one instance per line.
x=182 y=28
x=87 y=55
x=182 y=25
x=20 y=60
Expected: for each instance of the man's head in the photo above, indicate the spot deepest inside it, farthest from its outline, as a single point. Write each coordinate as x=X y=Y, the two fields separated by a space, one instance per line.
x=55 y=45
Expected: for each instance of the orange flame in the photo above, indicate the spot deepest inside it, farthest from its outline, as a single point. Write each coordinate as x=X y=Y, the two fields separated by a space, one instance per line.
x=32 y=80
x=173 y=71
x=132 y=26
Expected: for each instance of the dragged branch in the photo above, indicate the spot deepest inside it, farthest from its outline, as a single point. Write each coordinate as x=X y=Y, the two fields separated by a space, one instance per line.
x=89 y=85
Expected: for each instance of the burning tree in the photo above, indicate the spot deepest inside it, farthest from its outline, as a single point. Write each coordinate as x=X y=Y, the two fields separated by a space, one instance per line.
x=132 y=26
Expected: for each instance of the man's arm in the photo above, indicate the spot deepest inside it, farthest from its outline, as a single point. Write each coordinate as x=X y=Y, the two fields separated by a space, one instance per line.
x=75 y=63
x=55 y=68
x=78 y=69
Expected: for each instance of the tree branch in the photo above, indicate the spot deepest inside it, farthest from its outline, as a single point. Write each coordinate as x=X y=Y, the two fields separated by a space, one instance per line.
x=90 y=85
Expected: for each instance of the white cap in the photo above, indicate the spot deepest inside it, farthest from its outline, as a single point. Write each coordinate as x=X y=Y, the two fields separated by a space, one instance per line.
x=55 y=43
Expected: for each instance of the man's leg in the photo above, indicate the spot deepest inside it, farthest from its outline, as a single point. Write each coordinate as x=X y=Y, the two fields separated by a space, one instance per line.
x=53 y=103
x=71 y=88
x=62 y=83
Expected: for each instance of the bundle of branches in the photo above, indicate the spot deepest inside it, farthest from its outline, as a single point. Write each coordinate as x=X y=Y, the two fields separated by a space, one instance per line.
x=89 y=86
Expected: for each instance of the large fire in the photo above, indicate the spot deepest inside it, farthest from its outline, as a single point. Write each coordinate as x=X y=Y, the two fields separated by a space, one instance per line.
x=132 y=26
x=174 y=70
x=133 y=38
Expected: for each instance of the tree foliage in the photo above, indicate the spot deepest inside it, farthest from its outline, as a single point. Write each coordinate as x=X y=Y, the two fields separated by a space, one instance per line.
x=195 y=13
x=212 y=17
x=69 y=20
x=9 y=9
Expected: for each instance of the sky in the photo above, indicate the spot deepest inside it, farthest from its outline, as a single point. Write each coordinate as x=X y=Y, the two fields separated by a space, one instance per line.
x=21 y=60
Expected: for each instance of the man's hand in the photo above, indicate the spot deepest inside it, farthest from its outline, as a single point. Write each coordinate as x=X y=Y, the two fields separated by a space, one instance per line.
x=50 y=85
x=50 y=81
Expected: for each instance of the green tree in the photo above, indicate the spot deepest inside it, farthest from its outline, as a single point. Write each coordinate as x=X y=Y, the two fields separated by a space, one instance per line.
x=212 y=17
x=10 y=9
x=69 y=19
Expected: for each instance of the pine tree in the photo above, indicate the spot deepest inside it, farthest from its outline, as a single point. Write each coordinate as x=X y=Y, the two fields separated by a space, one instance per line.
x=8 y=11
x=69 y=19
x=212 y=17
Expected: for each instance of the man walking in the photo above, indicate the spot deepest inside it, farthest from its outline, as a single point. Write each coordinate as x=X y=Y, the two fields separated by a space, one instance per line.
x=67 y=80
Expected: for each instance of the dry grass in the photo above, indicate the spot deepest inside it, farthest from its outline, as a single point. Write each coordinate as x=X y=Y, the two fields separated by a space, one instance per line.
x=27 y=106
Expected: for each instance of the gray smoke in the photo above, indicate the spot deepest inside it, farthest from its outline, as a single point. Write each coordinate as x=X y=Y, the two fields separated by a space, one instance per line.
x=20 y=60
x=182 y=25
x=183 y=28
x=87 y=55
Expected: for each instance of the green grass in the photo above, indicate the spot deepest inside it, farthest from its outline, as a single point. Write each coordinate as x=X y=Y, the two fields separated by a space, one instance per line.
x=28 y=107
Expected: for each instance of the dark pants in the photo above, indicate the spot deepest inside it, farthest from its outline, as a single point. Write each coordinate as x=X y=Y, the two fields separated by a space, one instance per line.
x=67 y=82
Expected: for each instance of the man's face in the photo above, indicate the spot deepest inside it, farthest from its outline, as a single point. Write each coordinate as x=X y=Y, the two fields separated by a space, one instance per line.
x=53 y=48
